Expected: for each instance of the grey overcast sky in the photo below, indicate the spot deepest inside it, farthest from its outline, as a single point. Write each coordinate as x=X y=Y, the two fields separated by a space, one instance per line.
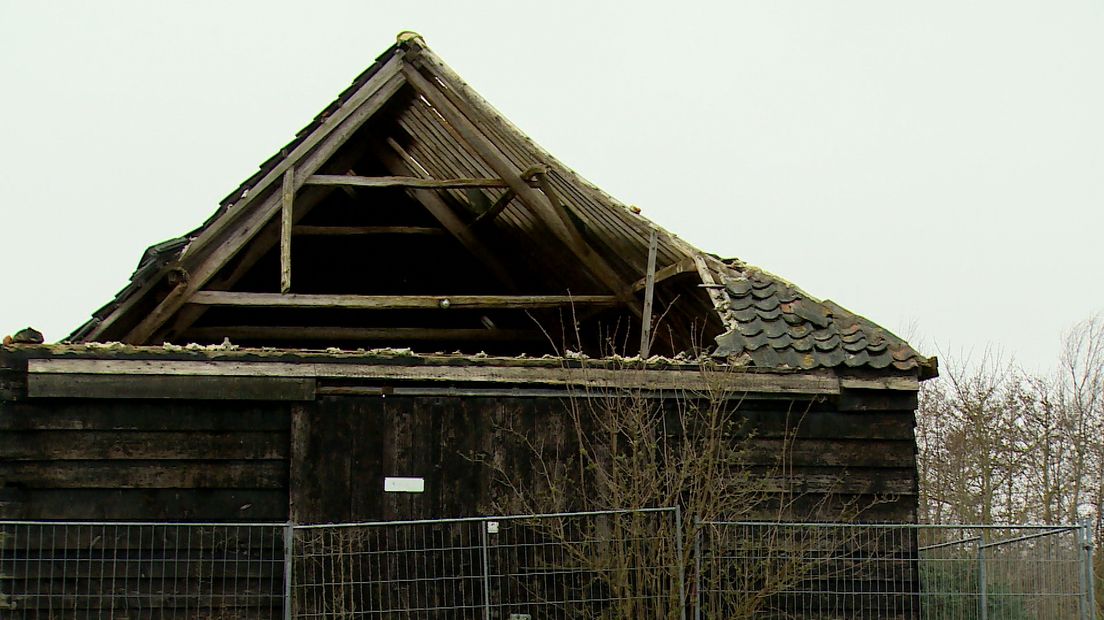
x=937 y=166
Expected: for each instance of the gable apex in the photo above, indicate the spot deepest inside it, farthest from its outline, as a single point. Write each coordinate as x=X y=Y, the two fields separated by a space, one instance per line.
x=410 y=212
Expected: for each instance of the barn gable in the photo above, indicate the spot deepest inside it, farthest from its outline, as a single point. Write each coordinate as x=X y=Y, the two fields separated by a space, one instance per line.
x=410 y=213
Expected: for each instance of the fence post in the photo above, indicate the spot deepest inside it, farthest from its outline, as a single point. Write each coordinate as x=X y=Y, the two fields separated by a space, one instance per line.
x=486 y=570
x=681 y=563
x=697 y=568
x=289 y=547
x=983 y=587
x=1085 y=548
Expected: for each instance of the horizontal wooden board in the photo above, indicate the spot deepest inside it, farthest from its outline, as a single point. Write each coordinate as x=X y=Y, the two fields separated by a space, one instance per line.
x=87 y=445
x=149 y=504
x=723 y=383
x=153 y=415
x=137 y=474
x=831 y=452
x=170 y=387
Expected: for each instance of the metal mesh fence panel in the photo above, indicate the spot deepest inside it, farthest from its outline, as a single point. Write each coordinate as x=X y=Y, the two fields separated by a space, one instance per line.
x=579 y=565
x=140 y=570
x=758 y=570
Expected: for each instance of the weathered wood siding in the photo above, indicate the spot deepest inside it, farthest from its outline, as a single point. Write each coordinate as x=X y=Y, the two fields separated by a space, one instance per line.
x=102 y=459
x=858 y=450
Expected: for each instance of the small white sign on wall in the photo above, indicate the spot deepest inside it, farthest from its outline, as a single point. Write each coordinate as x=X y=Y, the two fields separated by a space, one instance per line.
x=403 y=485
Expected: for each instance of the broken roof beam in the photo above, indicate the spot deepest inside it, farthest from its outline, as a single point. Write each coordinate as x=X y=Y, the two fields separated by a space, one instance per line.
x=465 y=122
x=670 y=271
x=401 y=181
x=359 y=334
x=397 y=302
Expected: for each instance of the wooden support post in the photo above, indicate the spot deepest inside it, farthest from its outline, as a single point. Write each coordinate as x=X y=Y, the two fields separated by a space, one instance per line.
x=649 y=292
x=287 y=220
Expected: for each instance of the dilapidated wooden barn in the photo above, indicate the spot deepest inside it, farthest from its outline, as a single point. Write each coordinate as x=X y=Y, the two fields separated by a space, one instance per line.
x=404 y=276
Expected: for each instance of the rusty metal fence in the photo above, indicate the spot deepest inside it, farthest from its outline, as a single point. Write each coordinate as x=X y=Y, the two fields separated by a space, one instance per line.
x=614 y=564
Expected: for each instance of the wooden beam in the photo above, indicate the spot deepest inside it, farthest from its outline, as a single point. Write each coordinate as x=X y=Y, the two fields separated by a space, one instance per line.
x=415 y=334
x=322 y=231
x=670 y=271
x=542 y=206
x=396 y=181
x=687 y=380
x=395 y=302
x=649 y=294
x=226 y=236
x=287 y=219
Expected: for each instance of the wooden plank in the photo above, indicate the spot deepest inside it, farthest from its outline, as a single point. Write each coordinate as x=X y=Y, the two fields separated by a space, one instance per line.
x=396 y=302
x=649 y=295
x=153 y=415
x=366 y=230
x=170 y=387
x=138 y=474
x=497 y=161
x=686 y=382
x=670 y=271
x=287 y=219
x=401 y=181
x=150 y=504
x=248 y=222
x=891 y=382
x=93 y=445
x=366 y=334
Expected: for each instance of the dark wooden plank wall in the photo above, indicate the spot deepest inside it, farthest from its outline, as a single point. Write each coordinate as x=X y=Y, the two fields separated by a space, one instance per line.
x=859 y=450
x=172 y=460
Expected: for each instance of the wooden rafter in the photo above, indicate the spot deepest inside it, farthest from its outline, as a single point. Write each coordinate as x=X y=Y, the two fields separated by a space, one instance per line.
x=226 y=236
x=397 y=302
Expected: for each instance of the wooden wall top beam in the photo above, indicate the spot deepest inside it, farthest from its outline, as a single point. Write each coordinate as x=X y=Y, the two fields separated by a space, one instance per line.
x=716 y=383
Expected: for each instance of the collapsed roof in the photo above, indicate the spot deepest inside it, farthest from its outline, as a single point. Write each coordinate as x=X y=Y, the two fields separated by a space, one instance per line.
x=411 y=213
